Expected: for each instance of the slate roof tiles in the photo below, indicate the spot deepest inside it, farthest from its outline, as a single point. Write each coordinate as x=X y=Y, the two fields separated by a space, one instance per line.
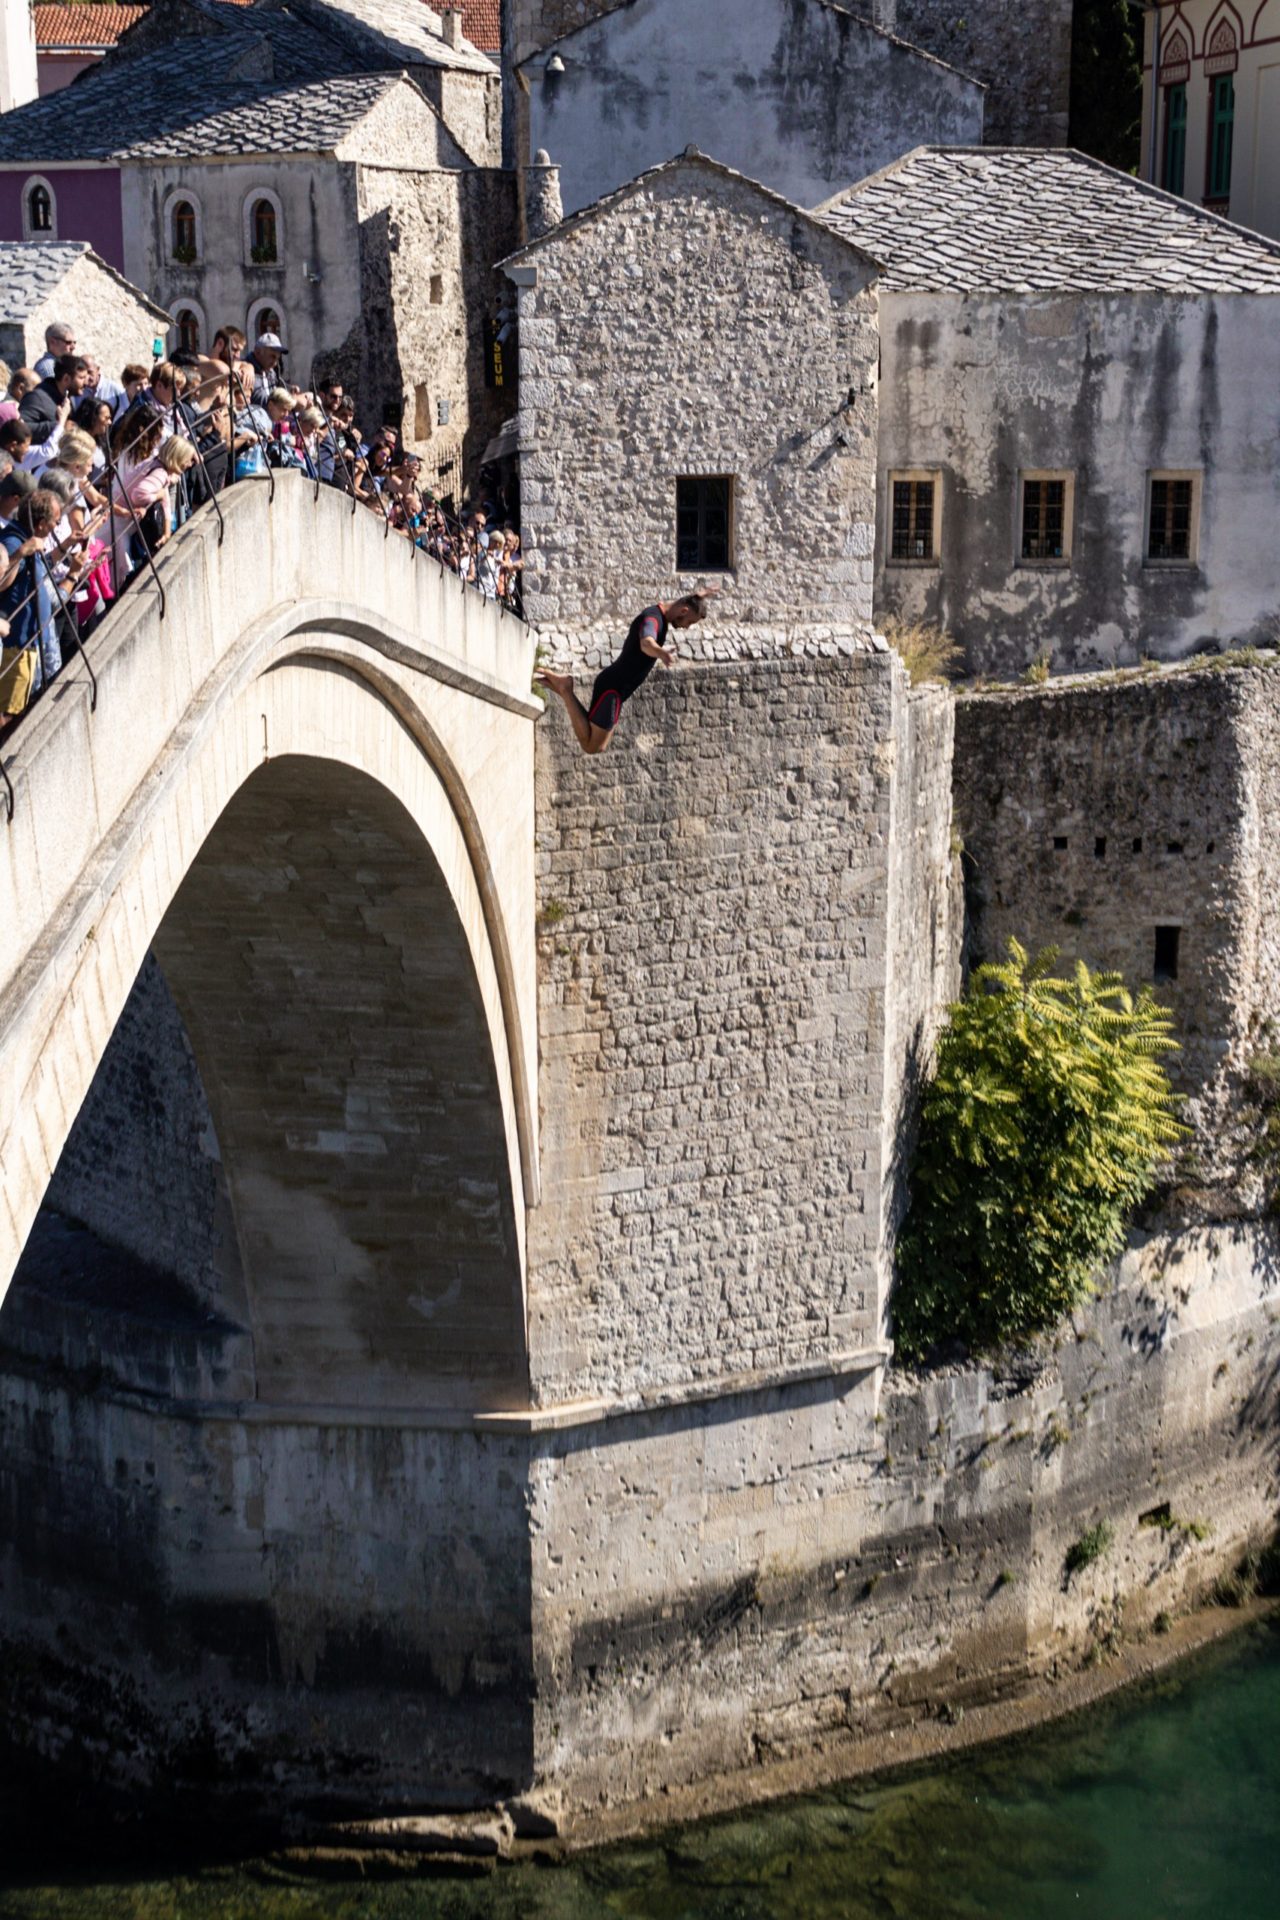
x=249 y=87
x=1024 y=220
x=30 y=270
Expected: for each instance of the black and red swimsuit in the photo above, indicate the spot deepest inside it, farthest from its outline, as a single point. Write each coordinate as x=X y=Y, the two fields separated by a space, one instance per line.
x=630 y=670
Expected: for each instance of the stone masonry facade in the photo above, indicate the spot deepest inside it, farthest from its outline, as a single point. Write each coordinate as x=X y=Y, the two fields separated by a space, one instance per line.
x=695 y=325
x=715 y=899
x=1128 y=822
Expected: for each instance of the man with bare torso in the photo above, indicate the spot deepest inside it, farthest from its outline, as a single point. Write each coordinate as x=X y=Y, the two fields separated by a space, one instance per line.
x=645 y=646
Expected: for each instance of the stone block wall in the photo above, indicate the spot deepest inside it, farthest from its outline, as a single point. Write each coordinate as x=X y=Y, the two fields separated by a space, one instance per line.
x=926 y=925
x=1094 y=812
x=697 y=327
x=717 y=920
x=1021 y=49
x=427 y=244
x=141 y=1165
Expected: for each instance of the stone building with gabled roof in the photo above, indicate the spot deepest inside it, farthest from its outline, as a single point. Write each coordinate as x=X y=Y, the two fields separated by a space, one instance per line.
x=317 y=169
x=697 y=405
x=66 y=281
x=1079 y=410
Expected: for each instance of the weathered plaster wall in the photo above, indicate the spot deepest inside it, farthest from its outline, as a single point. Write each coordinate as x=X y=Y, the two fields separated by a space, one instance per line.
x=428 y=241
x=697 y=327
x=89 y=207
x=1093 y=813
x=983 y=387
x=799 y=95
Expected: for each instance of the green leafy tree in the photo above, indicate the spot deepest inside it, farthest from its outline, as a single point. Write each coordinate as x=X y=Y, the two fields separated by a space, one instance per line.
x=1041 y=1131
x=1106 y=81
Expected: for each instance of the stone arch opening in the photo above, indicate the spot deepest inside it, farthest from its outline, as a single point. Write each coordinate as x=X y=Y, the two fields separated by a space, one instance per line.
x=324 y=980
x=299 y=1116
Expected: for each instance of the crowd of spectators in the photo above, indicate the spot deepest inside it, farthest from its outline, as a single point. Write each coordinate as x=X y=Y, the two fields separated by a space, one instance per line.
x=96 y=474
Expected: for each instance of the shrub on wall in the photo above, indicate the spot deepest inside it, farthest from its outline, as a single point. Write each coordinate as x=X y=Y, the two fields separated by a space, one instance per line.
x=1041 y=1131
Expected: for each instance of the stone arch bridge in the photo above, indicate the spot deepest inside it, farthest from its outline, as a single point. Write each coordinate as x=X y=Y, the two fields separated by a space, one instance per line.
x=307 y=783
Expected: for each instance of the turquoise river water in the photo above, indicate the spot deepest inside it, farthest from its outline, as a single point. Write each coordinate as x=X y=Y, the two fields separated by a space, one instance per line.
x=1162 y=1802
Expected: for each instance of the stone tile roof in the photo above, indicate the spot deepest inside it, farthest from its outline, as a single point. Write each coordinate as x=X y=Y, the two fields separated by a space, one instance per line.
x=88 y=27
x=247 y=84
x=30 y=270
x=307 y=119
x=164 y=104
x=1032 y=220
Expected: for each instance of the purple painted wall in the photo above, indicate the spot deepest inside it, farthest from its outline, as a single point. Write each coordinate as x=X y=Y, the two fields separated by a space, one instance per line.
x=88 y=206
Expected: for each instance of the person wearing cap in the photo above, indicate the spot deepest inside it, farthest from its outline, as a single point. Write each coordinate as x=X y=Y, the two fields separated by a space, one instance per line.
x=268 y=351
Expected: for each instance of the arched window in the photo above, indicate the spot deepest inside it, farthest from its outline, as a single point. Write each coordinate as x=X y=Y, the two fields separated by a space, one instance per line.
x=184 y=231
x=39 y=210
x=188 y=331
x=263 y=228
x=263 y=318
x=263 y=245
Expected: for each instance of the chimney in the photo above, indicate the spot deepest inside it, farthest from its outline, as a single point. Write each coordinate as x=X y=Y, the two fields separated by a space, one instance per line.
x=543 y=207
x=451 y=22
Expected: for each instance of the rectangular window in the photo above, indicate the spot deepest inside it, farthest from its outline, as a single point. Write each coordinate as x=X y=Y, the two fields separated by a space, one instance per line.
x=1175 y=138
x=915 y=518
x=1047 y=507
x=1222 y=114
x=1173 y=514
x=704 y=523
x=1166 y=966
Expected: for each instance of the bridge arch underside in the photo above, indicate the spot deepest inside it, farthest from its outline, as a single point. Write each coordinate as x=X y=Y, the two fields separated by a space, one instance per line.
x=324 y=979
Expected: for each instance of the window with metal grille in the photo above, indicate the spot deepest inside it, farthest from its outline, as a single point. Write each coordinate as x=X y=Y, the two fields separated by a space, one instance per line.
x=188 y=330
x=704 y=523
x=1222 y=114
x=912 y=533
x=1175 y=138
x=40 y=210
x=1171 y=521
x=1046 y=528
